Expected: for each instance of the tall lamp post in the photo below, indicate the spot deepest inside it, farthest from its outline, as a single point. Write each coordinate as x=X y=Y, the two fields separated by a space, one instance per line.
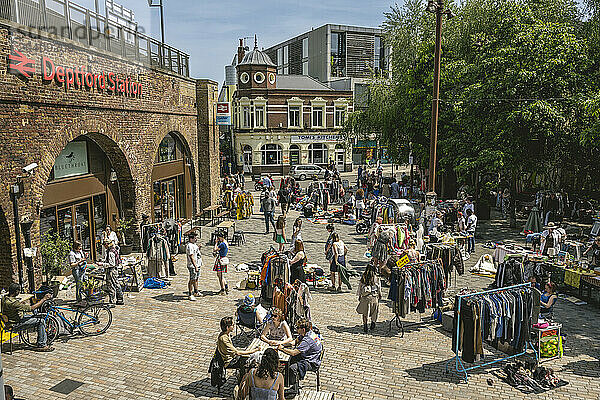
x=159 y=4
x=436 y=7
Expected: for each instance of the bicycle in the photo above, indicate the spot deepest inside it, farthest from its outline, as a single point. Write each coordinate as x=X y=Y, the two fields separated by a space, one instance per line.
x=91 y=320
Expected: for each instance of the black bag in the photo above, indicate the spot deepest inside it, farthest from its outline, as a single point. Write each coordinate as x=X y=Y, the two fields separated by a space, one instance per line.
x=217 y=370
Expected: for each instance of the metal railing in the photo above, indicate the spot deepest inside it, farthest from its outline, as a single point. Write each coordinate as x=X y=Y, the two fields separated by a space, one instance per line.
x=69 y=20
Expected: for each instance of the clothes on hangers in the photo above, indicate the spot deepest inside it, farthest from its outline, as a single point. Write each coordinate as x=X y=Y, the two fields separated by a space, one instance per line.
x=510 y=272
x=497 y=317
x=416 y=287
x=158 y=257
x=449 y=255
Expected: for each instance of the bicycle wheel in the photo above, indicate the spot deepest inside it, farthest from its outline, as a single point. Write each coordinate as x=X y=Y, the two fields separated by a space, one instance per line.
x=94 y=320
x=52 y=329
x=29 y=335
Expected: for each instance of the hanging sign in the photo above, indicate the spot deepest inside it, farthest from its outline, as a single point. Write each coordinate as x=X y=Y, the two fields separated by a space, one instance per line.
x=71 y=161
x=402 y=261
x=223 y=113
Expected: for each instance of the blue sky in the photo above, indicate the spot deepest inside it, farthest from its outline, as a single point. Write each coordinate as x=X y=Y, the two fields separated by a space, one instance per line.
x=209 y=30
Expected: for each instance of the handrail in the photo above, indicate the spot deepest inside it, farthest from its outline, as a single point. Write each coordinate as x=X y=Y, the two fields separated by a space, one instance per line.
x=96 y=31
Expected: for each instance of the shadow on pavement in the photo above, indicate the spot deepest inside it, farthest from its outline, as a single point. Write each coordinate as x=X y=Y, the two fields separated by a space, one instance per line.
x=584 y=368
x=203 y=388
x=436 y=372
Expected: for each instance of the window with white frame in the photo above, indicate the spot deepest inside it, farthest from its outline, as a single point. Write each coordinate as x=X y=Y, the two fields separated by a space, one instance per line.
x=340 y=116
x=286 y=55
x=246 y=117
x=317 y=116
x=317 y=153
x=259 y=116
x=280 y=57
x=304 y=67
x=271 y=154
x=294 y=116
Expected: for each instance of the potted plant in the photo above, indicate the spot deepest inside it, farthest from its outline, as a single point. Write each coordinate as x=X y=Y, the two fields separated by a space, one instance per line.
x=123 y=227
x=54 y=251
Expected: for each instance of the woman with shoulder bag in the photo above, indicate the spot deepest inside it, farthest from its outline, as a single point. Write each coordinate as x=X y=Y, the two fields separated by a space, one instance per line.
x=221 y=261
x=369 y=294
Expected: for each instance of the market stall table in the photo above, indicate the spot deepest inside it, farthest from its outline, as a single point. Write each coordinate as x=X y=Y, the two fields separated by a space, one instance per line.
x=226 y=225
x=208 y=213
x=548 y=342
x=588 y=285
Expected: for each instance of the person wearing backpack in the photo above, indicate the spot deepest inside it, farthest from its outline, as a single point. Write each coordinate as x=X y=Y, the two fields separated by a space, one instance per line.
x=369 y=294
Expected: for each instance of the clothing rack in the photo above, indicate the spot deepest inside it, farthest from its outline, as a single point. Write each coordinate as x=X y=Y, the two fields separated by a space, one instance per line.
x=399 y=324
x=457 y=359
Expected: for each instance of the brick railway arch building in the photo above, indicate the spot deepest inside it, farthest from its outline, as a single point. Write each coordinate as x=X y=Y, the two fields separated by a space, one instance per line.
x=113 y=138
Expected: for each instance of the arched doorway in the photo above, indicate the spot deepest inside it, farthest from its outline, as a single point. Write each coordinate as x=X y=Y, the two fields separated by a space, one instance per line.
x=89 y=186
x=172 y=180
x=294 y=154
x=247 y=159
x=340 y=157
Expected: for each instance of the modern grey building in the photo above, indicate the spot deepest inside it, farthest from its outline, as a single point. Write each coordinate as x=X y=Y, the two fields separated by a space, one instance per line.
x=341 y=56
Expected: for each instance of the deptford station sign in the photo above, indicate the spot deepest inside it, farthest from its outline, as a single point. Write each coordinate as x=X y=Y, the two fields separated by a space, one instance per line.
x=73 y=77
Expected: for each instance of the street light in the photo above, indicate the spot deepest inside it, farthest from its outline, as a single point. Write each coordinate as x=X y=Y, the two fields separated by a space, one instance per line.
x=436 y=7
x=159 y=4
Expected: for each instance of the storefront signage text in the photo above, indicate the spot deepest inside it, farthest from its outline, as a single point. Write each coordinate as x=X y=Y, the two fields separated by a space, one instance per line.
x=77 y=77
x=315 y=138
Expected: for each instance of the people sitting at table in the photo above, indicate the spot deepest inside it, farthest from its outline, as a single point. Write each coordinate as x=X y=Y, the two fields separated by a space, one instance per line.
x=264 y=382
x=20 y=315
x=548 y=299
x=298 y=262
x=306 y=356
x=233 y=358
x=249 y=307
x=277 y=331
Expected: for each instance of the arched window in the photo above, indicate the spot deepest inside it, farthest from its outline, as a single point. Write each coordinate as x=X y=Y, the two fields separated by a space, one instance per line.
x=169 y=149
x=271 y=154
x=317 y=153
x=294 y=154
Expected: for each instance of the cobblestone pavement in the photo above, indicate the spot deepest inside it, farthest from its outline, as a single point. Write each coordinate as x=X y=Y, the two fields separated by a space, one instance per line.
x=160 y=344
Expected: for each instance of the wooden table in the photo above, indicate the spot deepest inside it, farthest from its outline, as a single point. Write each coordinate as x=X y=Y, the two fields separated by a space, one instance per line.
x=209 y=211
x=256 y=342
x=226 y=225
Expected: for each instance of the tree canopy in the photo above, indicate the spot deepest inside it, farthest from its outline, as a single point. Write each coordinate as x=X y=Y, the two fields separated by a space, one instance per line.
x=518 y=97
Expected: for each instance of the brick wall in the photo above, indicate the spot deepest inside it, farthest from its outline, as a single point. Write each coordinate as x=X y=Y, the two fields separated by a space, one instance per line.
x=208 y=142
x=39 y=118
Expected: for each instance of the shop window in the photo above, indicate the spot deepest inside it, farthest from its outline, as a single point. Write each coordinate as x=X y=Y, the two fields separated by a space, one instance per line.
x=317 y=117
x=181 y=196
x=48 y=221
x=317 y=153
x=246 y=117
x=259 y=116
x=294 y=117
x=340 y=116
x=99 y=208
x=271 y=154
x=294 y=154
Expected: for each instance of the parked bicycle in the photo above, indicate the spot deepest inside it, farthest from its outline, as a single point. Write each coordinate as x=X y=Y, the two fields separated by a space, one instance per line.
x=90 y=320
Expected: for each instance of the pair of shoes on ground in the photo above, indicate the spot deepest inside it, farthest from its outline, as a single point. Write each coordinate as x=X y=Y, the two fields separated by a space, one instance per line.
x=45 y=349
x=192 y=297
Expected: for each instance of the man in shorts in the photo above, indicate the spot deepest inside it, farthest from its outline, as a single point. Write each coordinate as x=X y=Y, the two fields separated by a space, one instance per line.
x=194 y=262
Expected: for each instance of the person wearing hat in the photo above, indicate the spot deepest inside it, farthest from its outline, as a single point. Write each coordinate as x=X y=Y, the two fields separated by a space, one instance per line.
x=194 y=262
x=249 y=306
x=221 y=261
x=550 y=239
x=595 y=250
x=15 y=311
